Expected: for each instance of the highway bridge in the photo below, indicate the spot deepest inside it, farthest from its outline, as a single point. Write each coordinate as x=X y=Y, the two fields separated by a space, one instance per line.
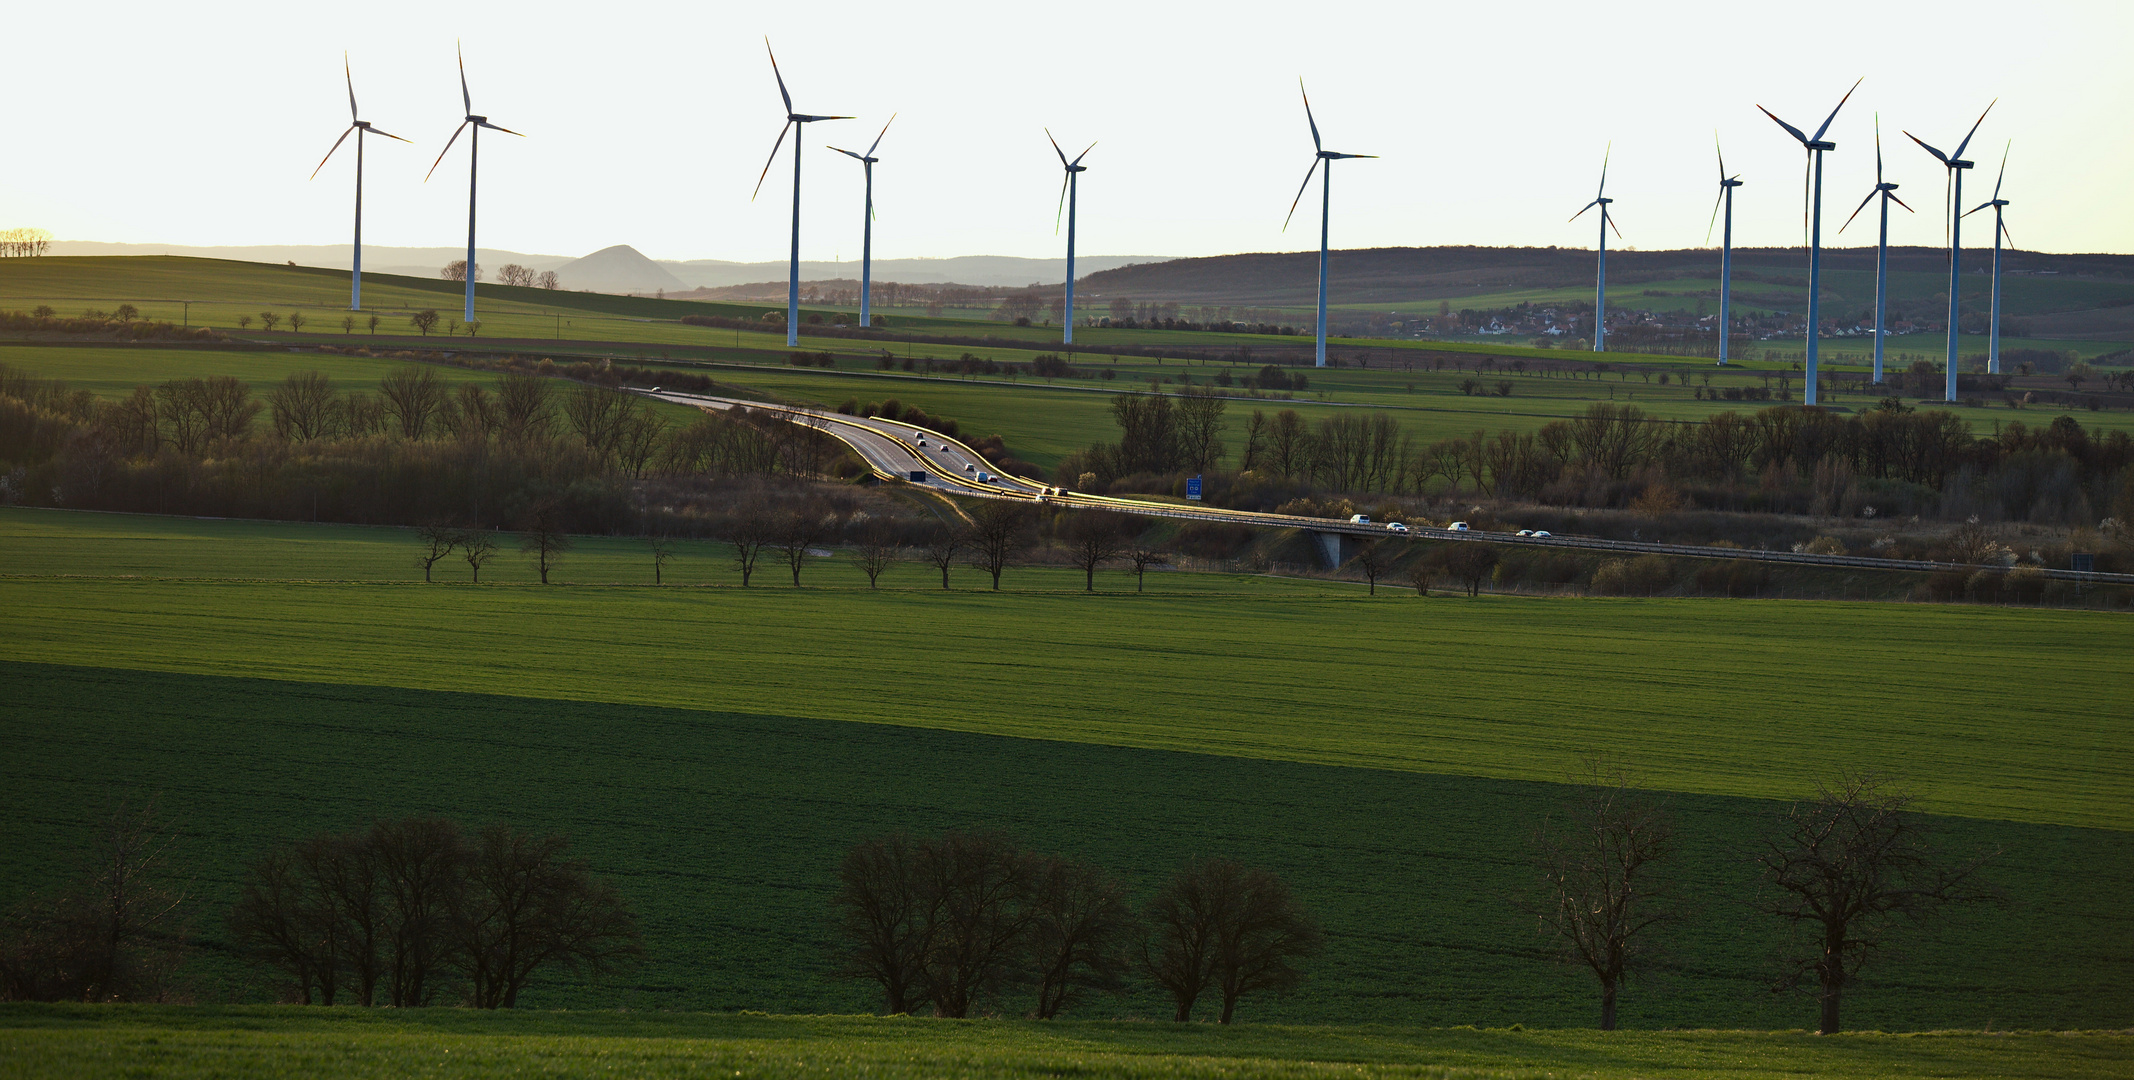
x=901 y=452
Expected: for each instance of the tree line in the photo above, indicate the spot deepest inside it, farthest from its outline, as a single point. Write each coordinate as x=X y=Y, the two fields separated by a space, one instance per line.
x=966 y=923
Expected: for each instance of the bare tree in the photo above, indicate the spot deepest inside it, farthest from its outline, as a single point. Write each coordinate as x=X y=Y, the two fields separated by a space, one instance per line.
x=663 y=548
x=456 y=270
x=541 y=535
x=1601 y=899
x=1199 y=425
x=226 y=407
x=424 y=321
x=1374 y=560
x=1843 y=866
x=793 y=533
x=999 y=533
x=1420 y=575
x=1143 y=558
x=547 y=280
x=437 y=542
x=523 y=409
x=373 y=324
x=525 y=905
x=1470 y=562
x=413 y=395
x=296 y=322
x=876 y=550
x=886 y=917
x=268 y=319
x=1220 y=925
x=1079 y=930
x=749 y=533
x=942 y=546
x=114 y=933
x=974 y=883
x=301 y=406
x=514 y=274
x=477 y=546
x=348 y=323
x=1095 y=537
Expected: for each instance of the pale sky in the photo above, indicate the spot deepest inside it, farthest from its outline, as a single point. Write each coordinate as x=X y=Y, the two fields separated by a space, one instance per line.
x=647 y=123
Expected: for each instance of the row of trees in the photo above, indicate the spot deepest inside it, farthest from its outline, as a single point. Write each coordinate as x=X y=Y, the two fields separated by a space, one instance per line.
x=22 y=242
x=956 y=923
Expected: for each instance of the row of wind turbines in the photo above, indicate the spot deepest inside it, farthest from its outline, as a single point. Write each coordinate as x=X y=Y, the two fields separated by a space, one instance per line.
x=1322 y=167
x=1812 y=219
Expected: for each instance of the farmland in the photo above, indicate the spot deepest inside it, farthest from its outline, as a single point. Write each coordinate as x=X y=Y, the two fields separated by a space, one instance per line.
x=714 y=749
x=264 y=1042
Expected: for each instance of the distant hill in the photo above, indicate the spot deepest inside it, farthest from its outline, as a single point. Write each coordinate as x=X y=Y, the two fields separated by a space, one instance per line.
x=2096 y=291
x=618 y=269
x=979 y=270
x=412 y=261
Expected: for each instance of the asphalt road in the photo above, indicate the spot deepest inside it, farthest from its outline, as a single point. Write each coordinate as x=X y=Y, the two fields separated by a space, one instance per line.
x=898 y=451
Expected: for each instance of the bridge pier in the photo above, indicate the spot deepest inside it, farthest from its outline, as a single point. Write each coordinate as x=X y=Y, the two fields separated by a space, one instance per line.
x=1334 y=548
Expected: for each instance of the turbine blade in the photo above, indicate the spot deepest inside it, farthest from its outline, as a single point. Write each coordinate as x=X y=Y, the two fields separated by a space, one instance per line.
x=885 y=131
x=1715 y=214
x=1863 y=205
x=1807 y=171
x=498 y=127
x=1834 y=112
x=781 y=82
x=1061 y=214
x=1605 y=155
x=1316 y=144
x=1582 y=210
x=1722 y=162
x=1878 y=149
x=767 y=161
x=2003 y=175
x=387 y=134
x=1943 y=158
x=1609 y=220
x=1316 y=162
x=448 y=149
x=2006 y=233
x=1900 y=202
x=1056 y=148
x=351 y=88
x=1974 y=128
x=465 y=97
x=1975 y=209
x=1085 y=153
x=847 y=153
x=336 y=146
x=1790 y=129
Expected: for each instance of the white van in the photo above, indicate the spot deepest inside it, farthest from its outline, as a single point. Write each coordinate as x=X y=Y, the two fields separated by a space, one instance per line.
x=1359 y=519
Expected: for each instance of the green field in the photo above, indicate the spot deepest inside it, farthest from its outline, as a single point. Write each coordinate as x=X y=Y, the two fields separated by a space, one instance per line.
x=713 y=750
x=269 y=1042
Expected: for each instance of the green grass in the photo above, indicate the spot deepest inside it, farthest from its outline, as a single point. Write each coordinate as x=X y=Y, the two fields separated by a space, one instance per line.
x=275 y=1042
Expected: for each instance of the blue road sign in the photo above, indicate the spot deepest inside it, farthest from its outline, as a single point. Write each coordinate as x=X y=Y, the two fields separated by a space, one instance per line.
x=1193 y=488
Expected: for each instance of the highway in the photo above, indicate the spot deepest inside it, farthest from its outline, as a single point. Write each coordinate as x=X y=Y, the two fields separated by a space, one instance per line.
x=896 y=451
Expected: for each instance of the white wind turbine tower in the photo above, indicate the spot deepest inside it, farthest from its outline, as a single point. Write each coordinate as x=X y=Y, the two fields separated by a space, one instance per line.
x=1323 y=158
x=1812 y=217
x=1600 y=275
x=474 y=153
x=360 y=127
x=867 y=161
x=1888 y=193
x=792 y=120
x=1952 y=216
x=2000 y=229
x=1727 y=185
x=1069 y=186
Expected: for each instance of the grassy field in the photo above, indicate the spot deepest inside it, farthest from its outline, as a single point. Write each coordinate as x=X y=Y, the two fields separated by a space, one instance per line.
x=273 y=1042
x=714 y=749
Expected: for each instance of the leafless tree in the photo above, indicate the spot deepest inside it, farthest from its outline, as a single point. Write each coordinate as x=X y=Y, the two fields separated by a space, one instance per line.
x=348 y=324
x=114 y=933
x=975 y=883
x=749 y=533
x=999 y=533
x=1843 y=866
x=477 y=546
x=1420 y=575
x=1079 y=931
x=663 y=548
x=876 y=549
x=471 y=414
x=541 y=535
x=793 y=532
x=226 y=407
x=1374 y=560
x=1219 y=925
x=419 y=862
x=523 y=410
x=268 y=319
x=456 y=270
x=1199 y=425
x=1601 y=900
x=413 y=395
x=547 y=280
x=638 y=440
x=525 y=905
x=1143 y=558
x=373 y=324
x=514 y=274
x=437 y=542
x=1470 y=561
x=887 y=918
x=301 y=406
x=1095 y=537
x=296 y=322
x=425 y=321
x=599 y=416
x=943 y=545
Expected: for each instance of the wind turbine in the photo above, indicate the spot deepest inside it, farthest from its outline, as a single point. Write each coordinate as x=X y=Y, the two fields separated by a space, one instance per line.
x=1888 y=193
x=474 y=153
x=1813 y=208
x=1727 y=185
x=1067 y=192
x=792 y=120
x=361 y=128
x=2000 y=229
x=1326 y=158
x=1600 y=286
x=1953 y=192
x=866 y=161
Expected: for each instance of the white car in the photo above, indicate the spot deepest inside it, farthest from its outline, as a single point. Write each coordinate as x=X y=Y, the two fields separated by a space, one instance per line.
x=1395 y=526
x=1525 y=532
x=922 y=442
x=1457 y=526
x=1541 y=532
x=968 y=467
